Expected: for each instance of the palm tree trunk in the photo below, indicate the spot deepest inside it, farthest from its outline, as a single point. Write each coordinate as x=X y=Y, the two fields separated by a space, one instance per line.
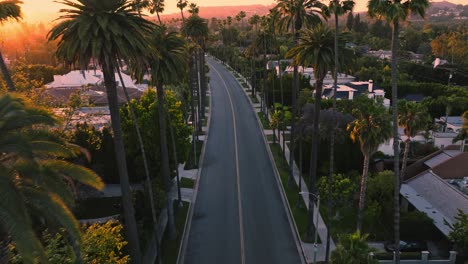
x=182 y=14
x=274 y=136
x=293 y=105
x=129 y=213
x=265 y=80
x=254 y=73
x=396 y=151
x=281 y=82
x=362 y=193
x=332 y=144
x=405 y=160
x=6 y=74
x=203 y=80
x=171 y=229
x=298 y=204
x=174 y=156
x=192 y=81
x=145 y=165
x=313 y=154
x=159 y=19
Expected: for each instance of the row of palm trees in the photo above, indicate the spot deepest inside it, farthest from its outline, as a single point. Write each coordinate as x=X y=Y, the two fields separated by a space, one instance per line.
x=317 y=46
x=107 y=33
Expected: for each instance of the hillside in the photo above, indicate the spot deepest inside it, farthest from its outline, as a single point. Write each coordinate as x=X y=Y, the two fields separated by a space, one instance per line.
x=224 y=11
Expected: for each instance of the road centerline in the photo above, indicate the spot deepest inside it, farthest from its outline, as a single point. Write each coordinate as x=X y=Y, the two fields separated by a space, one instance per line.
x=239 y=202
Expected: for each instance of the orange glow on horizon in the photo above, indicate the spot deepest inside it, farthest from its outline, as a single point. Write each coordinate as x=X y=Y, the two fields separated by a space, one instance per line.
x=47 y=10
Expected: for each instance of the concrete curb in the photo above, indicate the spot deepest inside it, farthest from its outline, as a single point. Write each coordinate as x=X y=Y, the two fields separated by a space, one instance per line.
x=278 y=179
x=188 y=220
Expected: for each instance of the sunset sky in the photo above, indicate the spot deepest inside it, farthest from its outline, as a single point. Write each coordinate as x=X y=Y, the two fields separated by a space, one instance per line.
x=47 y=10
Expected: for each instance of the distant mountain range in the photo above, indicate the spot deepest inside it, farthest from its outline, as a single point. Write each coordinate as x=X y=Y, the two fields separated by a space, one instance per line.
x=224 y=11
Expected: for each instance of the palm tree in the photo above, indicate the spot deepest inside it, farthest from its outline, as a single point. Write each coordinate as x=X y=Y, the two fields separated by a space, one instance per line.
x=314 y=49
x=155 y=6
x=338 y=9
x=166 y=61
x=35 y=180
x=413 y=117
x=196 y=28
x=254 y=20
x=295 y=13
x=181 y=4
x=263 y=40
x=371 y=128
x=9 y=9
x=395 y=11
x=106 y=31
x=353 y=248
x=193 y=9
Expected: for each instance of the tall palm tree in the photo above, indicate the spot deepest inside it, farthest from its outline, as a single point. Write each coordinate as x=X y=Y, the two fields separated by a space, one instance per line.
x=315 y=48
x=254 y=21
x=165 y=63
x=294 y=14
x=413 y=117
x=262 y=41
x=106 y=31
x=35 y=180
x=371 y=128
x=9 y=9
x=193 y=9
x=181 y=4
x=395 y=11
x=155 y=6
x=196 y=28
x=337 y=8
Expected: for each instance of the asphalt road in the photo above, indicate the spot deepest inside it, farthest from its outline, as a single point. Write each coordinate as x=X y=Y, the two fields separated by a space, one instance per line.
x=239 y=215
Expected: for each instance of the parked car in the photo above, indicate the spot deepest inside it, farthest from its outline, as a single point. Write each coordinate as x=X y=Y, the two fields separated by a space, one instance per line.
x=407 y=246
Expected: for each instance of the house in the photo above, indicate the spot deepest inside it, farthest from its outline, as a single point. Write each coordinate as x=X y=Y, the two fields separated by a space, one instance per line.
x=350 y=90
x=309 y=72
x=434 y=185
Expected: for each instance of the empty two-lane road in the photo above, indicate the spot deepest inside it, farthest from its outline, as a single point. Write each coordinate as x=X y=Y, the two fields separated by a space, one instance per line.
x=238 y=215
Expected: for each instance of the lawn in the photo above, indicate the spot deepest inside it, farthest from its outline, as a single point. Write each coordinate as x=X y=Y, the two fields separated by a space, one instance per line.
x=264 y=120
x=299 y=212
x=187 y=183
x=254 y=99
x=170 y=248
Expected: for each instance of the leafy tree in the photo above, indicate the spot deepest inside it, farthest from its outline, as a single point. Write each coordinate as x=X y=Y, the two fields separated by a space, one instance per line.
x=413 y=117
x=275 y=123
x=102 y=243
x=395 y=11
x=371 y=128
x=9 y=9
x=343 y=191
x=35 y=179
x=146 y=111
x=353 y=248
x=106 y=31
x=459 y=232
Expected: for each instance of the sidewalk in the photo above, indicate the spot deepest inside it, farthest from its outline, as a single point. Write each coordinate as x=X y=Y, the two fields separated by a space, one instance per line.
x=309 y=248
